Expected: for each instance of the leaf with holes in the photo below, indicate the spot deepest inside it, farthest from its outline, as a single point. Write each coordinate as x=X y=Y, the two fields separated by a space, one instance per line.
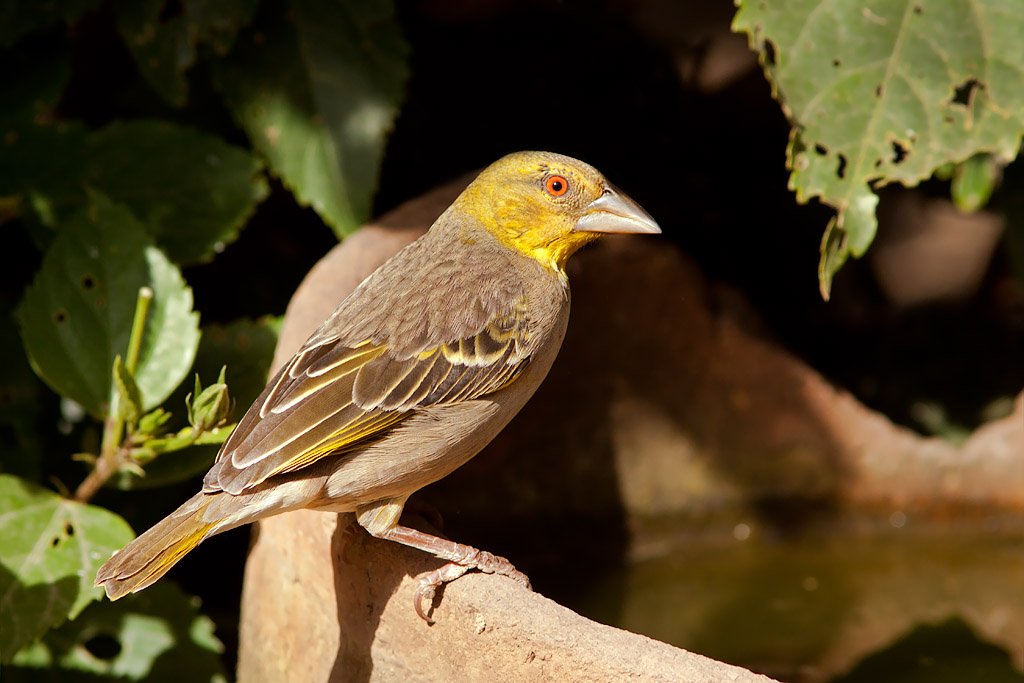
x=192 y=191
x=157 y=636
x=77 y=314
x=50 y=550
x=317 y=91
x=887 y=91
x=164 y=36
x=195 y=191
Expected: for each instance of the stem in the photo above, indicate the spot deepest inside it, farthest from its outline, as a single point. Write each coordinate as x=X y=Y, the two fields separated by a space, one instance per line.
x=112 y=455
x=131 y=360
x=106 y=466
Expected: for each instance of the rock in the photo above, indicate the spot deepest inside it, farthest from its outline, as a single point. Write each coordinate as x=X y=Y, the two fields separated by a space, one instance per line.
x=320 y=607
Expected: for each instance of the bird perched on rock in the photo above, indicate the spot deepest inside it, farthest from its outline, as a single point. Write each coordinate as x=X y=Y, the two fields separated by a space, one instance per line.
x=411 y=376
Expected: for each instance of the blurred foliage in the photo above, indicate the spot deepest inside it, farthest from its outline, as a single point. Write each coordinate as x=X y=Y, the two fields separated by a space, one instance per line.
x=156 y=636
x=316 y=96
x=117 y=204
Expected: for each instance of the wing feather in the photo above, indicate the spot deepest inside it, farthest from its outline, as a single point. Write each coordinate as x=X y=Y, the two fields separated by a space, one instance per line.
x=452 y=384
x=333 y=397
x=352 y=435
x=474 y=382
x=342 y=360
x=267 y=441
x=412 y=385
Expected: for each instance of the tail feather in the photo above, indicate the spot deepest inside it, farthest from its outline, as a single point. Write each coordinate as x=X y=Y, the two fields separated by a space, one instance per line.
x=140 y=563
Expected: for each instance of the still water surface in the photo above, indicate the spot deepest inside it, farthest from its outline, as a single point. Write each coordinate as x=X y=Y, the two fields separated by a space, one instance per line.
x=899 y=601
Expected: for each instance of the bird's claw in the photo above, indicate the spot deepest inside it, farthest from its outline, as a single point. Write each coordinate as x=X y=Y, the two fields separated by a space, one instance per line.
x=493 y=564
x=520 y=578
x=429 y=581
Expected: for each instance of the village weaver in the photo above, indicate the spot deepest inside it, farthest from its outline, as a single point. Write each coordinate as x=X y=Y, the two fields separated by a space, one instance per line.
x=411 y=376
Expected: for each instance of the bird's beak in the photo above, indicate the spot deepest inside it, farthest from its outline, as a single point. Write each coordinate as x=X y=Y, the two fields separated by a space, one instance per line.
x=613 y=211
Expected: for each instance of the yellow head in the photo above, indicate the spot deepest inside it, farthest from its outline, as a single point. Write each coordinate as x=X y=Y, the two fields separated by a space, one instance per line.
x=548 y=205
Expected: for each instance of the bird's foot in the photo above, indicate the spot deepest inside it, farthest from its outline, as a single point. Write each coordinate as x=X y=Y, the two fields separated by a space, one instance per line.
x=461 y=558
x=429 y=581
x=478 y=559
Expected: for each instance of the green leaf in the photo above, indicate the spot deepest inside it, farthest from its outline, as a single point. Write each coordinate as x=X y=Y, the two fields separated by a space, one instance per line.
x=129 y=404
x=887 y=91
x=163 y=50
x=317 y=90
x=210 y=407
x=77 y=314
x=833 y=254
x=161 y=638
x=49 y=553
x=18 y=18
x=153 y=422
x=192 y=191
x=44 y=163
x=246 y=347
x=181 y=440
x=974 y=181
x=164 y=37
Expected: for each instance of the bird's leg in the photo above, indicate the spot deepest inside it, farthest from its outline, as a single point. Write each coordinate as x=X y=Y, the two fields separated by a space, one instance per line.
x=461 y=558
x=381 y=520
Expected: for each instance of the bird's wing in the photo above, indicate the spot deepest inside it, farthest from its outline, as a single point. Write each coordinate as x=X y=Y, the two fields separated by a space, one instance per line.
x=334 y=396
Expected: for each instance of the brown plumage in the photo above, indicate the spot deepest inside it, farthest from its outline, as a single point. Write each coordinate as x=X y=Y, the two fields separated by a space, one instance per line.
x=415 y=371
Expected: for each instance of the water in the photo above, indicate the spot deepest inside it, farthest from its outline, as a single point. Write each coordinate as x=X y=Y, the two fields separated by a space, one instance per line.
x=841 y=602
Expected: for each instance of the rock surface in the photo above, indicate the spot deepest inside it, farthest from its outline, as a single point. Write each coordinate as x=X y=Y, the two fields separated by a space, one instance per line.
x=324 y=604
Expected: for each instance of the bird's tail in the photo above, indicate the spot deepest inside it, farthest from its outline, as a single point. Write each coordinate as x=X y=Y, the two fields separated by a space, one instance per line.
x=140 y=563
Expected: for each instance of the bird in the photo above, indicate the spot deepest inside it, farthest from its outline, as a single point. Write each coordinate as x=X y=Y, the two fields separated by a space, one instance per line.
x=412 y=374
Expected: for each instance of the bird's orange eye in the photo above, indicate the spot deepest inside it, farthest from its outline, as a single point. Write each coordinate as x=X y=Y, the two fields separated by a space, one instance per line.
x=556 y=185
